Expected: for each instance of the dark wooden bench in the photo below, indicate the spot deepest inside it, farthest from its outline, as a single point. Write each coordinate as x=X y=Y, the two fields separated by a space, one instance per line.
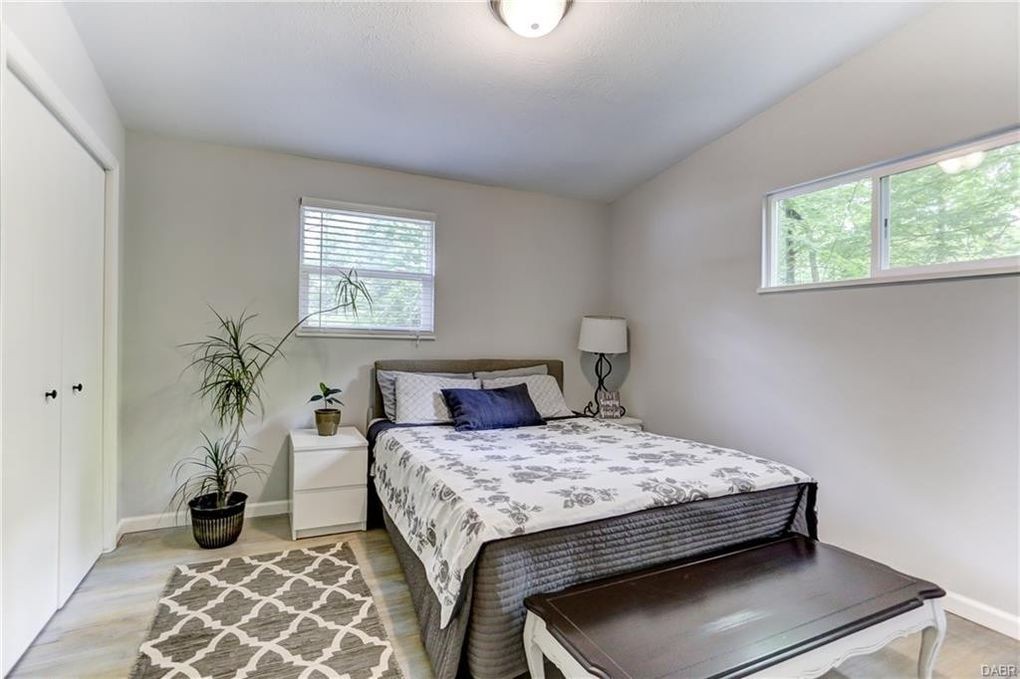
x=791 y=607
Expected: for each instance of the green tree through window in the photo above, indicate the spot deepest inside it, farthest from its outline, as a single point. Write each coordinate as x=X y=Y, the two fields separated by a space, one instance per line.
x=393 y=255
x=825 y=235
x=935 y=215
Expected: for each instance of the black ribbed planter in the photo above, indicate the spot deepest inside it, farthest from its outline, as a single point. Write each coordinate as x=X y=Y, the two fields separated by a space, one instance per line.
x=217 y=527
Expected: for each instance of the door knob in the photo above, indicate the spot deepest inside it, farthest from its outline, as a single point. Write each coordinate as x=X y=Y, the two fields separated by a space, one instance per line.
x=51 y=394
x=78 y=387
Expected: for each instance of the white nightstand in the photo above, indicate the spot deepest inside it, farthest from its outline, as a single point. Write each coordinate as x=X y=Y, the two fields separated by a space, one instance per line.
x=631 y=422
x=328 y=482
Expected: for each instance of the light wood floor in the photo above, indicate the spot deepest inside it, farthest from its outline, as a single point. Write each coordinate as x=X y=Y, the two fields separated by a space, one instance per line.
x=98 y=632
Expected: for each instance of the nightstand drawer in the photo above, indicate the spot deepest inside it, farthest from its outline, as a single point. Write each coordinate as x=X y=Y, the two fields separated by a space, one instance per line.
x=330 y=468
x=335 y=506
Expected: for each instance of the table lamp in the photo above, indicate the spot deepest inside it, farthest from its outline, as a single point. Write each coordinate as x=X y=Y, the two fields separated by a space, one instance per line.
x=602 y=335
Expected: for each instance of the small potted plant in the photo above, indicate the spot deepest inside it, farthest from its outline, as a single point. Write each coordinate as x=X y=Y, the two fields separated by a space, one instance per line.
x=327 y=419
x=231 y=362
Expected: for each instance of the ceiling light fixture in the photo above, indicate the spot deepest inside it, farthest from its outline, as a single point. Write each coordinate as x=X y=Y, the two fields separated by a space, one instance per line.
x=530 y=18
x=961 y=163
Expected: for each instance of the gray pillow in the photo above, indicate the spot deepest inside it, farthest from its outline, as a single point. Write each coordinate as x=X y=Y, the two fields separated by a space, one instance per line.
x=513 y=372
x=387 y=380
x=544 y=391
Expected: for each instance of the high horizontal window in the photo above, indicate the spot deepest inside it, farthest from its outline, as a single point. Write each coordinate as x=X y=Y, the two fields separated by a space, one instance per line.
x=951 y=213
x=393 y=253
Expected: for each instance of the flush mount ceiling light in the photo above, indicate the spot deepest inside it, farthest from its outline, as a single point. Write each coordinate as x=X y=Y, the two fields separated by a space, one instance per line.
x=530 y=18
x=961 y=163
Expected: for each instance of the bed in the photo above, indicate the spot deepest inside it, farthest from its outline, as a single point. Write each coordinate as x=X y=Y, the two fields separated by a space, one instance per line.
x=481 y=520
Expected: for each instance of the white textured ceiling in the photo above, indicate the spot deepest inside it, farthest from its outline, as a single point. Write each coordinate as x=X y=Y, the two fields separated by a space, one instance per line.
x=617 y=93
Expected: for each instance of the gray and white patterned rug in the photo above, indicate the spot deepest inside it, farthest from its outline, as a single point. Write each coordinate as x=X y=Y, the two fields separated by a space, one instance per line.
x=303 y=613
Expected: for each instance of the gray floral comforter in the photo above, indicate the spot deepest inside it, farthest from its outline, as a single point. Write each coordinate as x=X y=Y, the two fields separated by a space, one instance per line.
x=450 y=492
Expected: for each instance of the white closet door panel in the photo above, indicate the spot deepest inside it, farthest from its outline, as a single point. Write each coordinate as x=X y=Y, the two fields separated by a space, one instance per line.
x=31 y=164
x=81 y=460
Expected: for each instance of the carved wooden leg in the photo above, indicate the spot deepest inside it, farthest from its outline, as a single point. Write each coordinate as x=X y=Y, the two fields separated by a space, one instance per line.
x=536 y=661
x=931 y=641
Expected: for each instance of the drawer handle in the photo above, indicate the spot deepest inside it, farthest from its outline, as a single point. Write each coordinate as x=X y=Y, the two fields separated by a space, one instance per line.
x=78 y=387
x=51 y=394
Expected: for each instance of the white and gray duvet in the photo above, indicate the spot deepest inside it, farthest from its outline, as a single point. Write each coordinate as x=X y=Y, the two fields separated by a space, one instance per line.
x=448 y=493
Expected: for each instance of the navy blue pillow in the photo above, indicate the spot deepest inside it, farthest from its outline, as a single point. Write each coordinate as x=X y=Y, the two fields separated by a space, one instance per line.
x=503 y=408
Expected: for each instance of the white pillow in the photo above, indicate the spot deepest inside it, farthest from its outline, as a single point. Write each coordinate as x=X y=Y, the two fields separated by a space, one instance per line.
x=420 y=397
x=387 y=380
x=512 y=372
x=544 y=392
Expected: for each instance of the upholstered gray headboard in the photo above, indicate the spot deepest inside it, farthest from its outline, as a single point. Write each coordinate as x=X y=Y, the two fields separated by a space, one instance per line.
x=457 y=365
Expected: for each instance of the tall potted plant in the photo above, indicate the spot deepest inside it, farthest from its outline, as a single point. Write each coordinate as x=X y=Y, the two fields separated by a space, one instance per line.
x=231 y=363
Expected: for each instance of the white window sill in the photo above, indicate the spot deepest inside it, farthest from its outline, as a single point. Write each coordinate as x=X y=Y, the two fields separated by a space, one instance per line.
x=895 y=278
x=346 y=334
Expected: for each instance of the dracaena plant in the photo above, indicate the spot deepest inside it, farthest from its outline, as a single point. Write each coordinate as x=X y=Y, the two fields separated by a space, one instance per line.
x=231 y=363
x=326 y=396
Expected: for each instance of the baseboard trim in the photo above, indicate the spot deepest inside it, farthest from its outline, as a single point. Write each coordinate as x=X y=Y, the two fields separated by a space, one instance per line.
x=983 y=614
x=987 y=616
x=137 y=524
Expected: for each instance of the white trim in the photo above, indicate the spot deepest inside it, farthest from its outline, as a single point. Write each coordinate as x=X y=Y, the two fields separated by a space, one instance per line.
x=880 y=230
x=372 y=210
x=368 y=334
x=16 y=60
x=138 y=524
x=826 y=182
x=880 y=270
x=4 y=75
x=981 y=613
x=417 y=335
x=893 y=279
x=998 y=264
x=997 y=138
x=879 y=243
x=987 y=616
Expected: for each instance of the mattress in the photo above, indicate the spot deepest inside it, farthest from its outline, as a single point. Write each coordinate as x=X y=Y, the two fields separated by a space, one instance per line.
x=450 y=492
x=483 y=640
x=479 y=632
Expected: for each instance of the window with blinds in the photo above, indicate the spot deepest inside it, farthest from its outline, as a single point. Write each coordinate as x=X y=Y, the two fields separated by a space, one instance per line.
x=393 y=252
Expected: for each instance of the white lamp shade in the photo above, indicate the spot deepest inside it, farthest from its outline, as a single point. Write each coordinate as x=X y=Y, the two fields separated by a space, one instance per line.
x=603 y=335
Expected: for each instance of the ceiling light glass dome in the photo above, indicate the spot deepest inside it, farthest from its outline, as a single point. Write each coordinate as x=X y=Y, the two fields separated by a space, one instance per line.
x=530 y=18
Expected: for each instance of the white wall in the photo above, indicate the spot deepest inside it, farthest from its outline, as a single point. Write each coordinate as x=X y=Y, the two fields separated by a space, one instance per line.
x=47 y=32
x=901 y=400
x=218 y=225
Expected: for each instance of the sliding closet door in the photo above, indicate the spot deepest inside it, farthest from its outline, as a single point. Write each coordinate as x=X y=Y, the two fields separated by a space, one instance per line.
x=81 y=460
x=33 y=155
x=51 y=319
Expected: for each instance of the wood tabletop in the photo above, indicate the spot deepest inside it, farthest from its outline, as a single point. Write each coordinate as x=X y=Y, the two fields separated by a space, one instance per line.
x=726 y=615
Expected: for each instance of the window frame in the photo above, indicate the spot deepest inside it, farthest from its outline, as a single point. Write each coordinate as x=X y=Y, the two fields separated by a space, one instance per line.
x=880 y=271
x=367 y=333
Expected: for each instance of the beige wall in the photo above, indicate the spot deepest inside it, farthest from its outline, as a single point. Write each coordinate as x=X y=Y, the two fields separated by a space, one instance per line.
x=218 y=225
x=901 y=400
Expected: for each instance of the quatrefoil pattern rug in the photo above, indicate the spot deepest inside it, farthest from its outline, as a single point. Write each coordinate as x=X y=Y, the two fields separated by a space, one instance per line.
x=303 y=613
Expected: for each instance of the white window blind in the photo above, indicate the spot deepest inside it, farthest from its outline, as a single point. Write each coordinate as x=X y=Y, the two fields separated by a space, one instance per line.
x=393 y=252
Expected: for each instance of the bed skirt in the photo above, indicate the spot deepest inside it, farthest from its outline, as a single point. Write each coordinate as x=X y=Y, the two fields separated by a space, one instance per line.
x=483 y=640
